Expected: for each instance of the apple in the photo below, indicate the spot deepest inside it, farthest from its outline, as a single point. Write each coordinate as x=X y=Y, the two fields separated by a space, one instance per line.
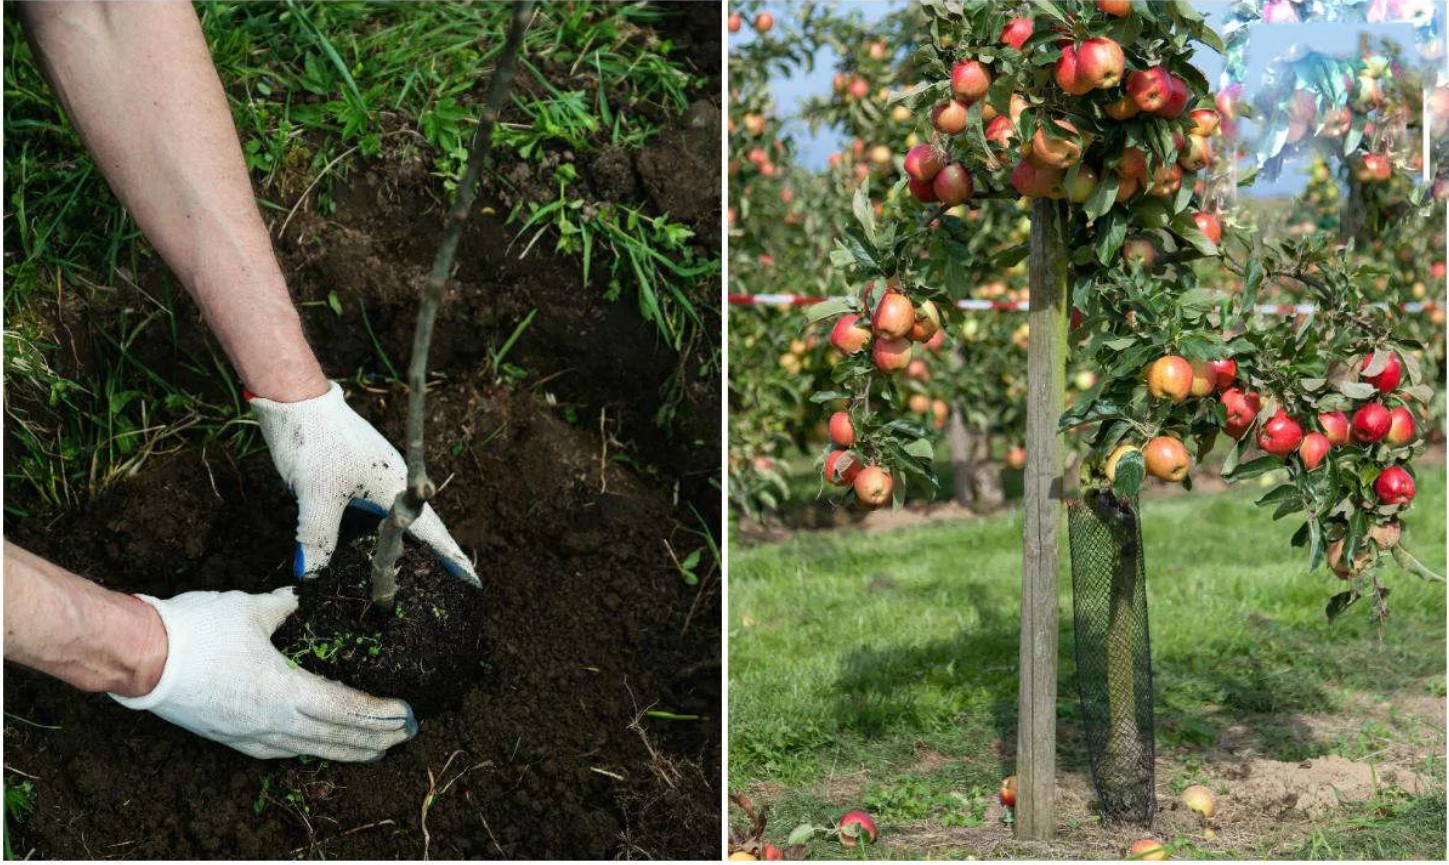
x=1204 y=379
x=970 y=80
x=1345 y=570
x=1126 y=188
x=1281 y=435
x=1370 y=423
x=1017 y=31
x=894 y=315
x=877 y=50
x=1387 y=380
x=850 y=334
x=1226 y=370
x=881 y=155
x=842 y=430
x=841 y=468
x=1166 y=458
x=1068 y=73
x=950 y=117
x=1387 y=534
x=1394 y=486
x=924 y=191
x=1170 y=377
x=1146 y=849
x=917 y=370
x=953 y=184
x=1314 y=448
x=1100 y=62
x=1037 y=182
x=735 y=21
x=1132 y=163
x=755 y=125
x=1141 y=250
x=764 y=21
x=1116 y=8
x=1200 y=799
x=856 y=826
x=1208 y=224
x=1015 y=457
x=1177 y=96
x=927 y=323
x=1055 y=152
x=1149 y=88
x=873 y=487
x=1008 y=792
x=924 y=161
x=1335 y=427
x=1123 y=108
x=936 y=341
x=773 y=853
x=1000 y=130
x=1242 y=409
x=1206 y=122
x=1109 y=467
x=919 y=403
x=939 y=412
x=1437 y=270
x=1401 y=427
x=859 y=88
x=891 y=354
x=1166 y=181
x=1080 y=188
x=1378 y=167
x=1197 y=155
x=743 y=856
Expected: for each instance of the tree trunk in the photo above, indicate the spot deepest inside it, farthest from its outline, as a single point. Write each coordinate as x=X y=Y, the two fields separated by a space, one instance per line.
x=986 y=476
x=963 y=463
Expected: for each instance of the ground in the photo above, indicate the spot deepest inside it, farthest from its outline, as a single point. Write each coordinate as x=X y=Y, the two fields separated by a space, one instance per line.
x=877 y=669
x=573 y=429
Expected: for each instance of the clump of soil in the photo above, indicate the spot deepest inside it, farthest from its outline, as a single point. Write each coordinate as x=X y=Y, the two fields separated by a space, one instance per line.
x=427 y=650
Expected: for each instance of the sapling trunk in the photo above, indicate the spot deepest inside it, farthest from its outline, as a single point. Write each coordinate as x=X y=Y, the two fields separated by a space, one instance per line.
x=1121 y=671
x=409 y=503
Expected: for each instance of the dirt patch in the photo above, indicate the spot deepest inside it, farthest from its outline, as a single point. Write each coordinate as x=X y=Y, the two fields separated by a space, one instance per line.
x=1311 y=786
x=554 y=476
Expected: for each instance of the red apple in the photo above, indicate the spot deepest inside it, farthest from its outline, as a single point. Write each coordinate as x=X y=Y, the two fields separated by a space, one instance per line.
x=1170 y=377
x=1371 y=423
x=1060 y=149
x=1068 y=73
x=873 y=488
x=924 y=161
x=891 y=354
x=1177 y=96
x=764 y=21
x=857 y=826
x=1149 y=88
x=1242 y=409
x=841 y=468
x=1314 y=448
x=953 y=184
x=1226 y=370
x=735 y=21
x=1281 y=435
x=950 y=117
x=970 y=80
x=1000 y=130
x=1166 y=459
x=1008 y=792
x=1037 y=182
x=1017 y=31
x=1208 y=224
x=1116 y=8
x=893 y=316
x=1141 y=250
x=1335 y=427
x=1123 y=108
x=1387 y=380
x=842 y=430
x=850 y=334
x=1100 y=61
x=928 y=323
x=1133 y=163
x=923 y=190
x=1206 y=122
x=1196 y=155
x=1401 y=427
x=1394 y=486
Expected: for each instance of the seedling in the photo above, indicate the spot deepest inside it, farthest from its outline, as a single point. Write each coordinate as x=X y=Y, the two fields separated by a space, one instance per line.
x=409 y=503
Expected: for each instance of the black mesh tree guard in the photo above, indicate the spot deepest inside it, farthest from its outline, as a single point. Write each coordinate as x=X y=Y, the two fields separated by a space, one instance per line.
x=1113 y=653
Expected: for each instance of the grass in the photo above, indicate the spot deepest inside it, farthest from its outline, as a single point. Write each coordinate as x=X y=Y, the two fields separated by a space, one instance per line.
x=881 y=669
x=99 y=372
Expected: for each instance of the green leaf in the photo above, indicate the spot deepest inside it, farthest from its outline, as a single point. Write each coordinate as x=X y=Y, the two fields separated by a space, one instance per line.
x=1103 y=196
x=829 y=309
x=865 y=216
x=921 y=449
x=1131 y=470
x=1253 y=468
x=800 y=835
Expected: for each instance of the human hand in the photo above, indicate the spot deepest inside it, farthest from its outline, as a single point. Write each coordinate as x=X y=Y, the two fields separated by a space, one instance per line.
x=225 y=681
x=331 y=458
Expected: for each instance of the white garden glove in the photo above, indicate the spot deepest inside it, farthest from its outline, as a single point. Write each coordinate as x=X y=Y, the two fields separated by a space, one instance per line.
x=225 y=681
x=330 y=458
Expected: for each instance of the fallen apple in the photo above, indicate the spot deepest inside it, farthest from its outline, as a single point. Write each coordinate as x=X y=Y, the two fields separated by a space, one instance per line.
x=856 y=827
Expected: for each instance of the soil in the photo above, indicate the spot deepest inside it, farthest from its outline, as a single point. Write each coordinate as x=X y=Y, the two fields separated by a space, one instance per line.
x=427 y=650
x=574 y=502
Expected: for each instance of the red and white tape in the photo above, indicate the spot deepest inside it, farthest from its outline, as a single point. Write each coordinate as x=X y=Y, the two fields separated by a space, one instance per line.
x=1022 y=306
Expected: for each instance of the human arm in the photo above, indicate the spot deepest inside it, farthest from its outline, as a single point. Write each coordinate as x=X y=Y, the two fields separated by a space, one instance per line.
x=201 y=660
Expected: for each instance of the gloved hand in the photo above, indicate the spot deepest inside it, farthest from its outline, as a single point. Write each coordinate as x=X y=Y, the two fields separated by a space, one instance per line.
x=225 y=681
x=330 y=458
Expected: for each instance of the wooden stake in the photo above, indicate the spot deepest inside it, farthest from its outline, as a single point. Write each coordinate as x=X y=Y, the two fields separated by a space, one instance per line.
x=1046 y=397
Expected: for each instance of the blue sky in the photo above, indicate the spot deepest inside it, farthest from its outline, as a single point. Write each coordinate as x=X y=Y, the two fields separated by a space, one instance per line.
x=1267 y=42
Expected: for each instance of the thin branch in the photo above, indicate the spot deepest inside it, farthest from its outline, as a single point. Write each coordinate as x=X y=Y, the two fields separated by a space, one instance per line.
x=409 y=502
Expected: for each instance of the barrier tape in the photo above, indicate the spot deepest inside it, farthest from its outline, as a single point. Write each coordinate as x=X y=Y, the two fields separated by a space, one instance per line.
x=1413 y=306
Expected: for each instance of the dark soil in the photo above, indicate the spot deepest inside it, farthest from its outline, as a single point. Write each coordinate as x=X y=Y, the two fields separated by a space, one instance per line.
x=572 y=500
x=428 y=650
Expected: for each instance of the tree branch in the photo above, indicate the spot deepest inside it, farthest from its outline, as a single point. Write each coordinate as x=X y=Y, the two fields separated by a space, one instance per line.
x=409 y=503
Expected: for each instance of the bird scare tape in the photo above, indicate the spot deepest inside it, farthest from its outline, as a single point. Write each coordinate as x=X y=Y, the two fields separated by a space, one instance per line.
x=1113 y=653
x=972 y=305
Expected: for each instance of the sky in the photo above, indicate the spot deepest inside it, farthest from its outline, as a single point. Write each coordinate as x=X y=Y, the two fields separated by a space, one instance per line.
x=1266 y=43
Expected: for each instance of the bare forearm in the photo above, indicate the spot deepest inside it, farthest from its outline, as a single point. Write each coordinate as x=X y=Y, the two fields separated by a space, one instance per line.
x=71 y=628
x=139 y=85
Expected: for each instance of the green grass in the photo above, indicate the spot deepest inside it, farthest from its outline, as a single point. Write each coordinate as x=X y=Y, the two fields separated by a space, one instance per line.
x=853 y=655
x=316 y=90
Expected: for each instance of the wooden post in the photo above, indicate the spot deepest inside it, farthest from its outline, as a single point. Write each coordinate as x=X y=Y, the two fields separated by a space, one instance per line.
x=1046 y=370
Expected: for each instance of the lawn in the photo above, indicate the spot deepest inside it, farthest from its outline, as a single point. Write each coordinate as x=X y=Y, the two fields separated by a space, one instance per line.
x=879 y=670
